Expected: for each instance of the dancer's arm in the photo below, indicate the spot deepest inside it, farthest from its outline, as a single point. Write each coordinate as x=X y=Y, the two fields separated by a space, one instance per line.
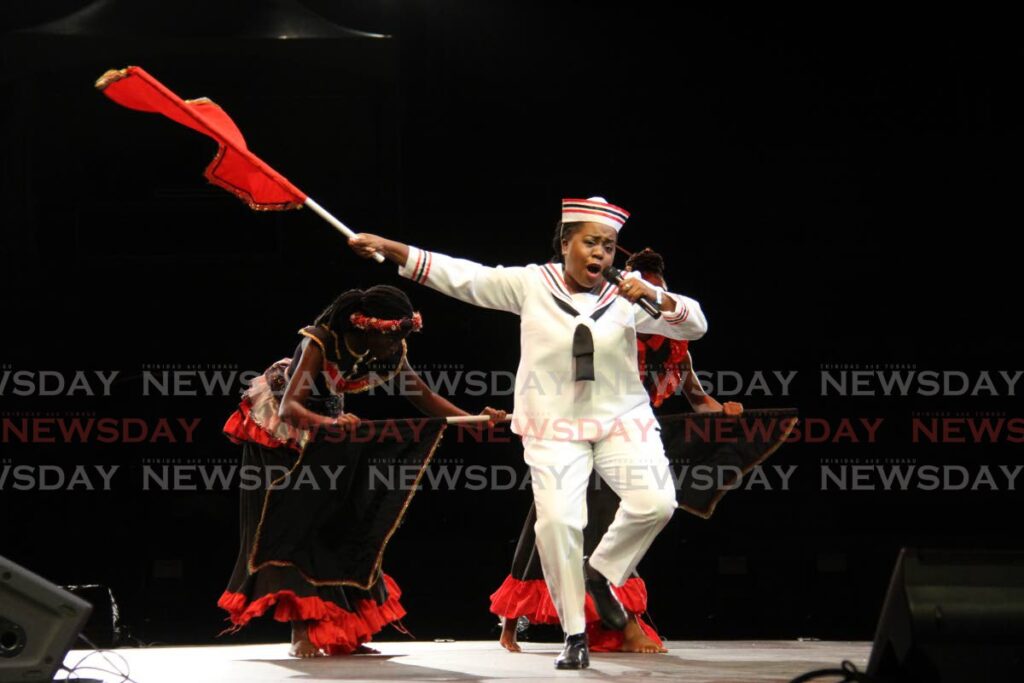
x=700 y=400
x=706 y=404
x=500 y=288
x=681 y=316
x=366 y=245
x=429 y=402
x=293 y=409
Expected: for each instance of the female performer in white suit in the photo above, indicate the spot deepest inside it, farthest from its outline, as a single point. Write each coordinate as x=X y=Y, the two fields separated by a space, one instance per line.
x=579 y=401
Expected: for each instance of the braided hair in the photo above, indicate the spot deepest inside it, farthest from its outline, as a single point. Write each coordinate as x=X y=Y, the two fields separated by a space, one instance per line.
x=563 y=231
x=379 y=301
x=647 y=261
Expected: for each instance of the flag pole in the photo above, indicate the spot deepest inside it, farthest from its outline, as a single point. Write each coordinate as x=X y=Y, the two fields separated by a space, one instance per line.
x=467 y=419
x=472 y=419
x=342 y=228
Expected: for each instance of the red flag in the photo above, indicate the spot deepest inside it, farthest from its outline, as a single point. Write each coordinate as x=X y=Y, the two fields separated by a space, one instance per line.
x=235 y=168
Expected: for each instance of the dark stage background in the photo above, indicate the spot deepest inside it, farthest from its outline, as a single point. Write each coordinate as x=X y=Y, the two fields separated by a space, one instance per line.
x=839 y=190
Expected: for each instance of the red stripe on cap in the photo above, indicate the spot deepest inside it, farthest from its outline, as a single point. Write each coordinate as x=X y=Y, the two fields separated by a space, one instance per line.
x=618 y=219
x=587 y=201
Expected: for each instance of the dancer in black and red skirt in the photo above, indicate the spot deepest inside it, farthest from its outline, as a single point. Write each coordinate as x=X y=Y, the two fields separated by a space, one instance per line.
x=665 y=364
x=315 y=556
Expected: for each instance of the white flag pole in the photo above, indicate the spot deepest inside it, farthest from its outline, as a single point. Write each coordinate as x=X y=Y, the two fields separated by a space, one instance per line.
x=342 y=228
x=470 y=419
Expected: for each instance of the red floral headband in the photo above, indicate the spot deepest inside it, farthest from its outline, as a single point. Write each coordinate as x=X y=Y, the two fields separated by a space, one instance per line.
x=365 y=322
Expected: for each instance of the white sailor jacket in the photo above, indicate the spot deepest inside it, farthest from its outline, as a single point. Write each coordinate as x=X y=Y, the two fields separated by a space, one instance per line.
x=549 y=402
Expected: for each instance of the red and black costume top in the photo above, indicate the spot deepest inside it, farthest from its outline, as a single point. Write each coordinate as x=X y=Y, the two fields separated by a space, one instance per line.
x=343 y=372
x=660 y=359
x=661 y=362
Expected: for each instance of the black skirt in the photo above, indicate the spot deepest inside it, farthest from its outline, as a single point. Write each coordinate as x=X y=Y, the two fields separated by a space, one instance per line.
x=314 y=526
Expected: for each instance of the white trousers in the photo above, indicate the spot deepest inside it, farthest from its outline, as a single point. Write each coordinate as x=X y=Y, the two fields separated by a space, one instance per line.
x=631 y=460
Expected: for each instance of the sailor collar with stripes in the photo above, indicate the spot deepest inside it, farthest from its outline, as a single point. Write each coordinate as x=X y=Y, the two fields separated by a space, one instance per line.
x=582 y=337
x=549 y=384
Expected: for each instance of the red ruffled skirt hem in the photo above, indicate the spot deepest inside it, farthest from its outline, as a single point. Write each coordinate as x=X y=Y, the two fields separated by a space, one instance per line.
x=517 y=598
x=331 y=627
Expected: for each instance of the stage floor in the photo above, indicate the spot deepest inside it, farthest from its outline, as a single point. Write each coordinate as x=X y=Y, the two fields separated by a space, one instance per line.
x=693 y=661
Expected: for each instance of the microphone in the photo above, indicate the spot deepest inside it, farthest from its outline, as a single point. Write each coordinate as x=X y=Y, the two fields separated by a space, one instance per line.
x=615 y=276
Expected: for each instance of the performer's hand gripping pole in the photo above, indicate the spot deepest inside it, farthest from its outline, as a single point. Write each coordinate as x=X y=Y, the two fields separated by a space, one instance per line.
x=341 y=227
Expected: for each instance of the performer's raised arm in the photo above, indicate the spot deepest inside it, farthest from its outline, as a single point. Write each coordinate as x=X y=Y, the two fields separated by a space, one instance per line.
x=490 y=287
x=366 y=245
x=681 y=317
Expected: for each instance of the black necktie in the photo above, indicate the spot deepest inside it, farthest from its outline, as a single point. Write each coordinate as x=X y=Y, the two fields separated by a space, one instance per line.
x=583 y=341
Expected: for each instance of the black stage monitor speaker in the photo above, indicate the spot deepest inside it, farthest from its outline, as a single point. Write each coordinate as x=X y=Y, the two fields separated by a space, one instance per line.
x=952 y=615
x=38 y=624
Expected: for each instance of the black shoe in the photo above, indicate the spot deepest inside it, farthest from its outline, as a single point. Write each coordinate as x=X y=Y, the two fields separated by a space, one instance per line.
x=575 y=654
x=613 y=614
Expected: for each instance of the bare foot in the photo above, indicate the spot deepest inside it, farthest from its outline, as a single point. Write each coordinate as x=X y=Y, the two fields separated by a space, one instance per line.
x=508 y=635
x=301 y=647
x=304 y=649
x=635 y=640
